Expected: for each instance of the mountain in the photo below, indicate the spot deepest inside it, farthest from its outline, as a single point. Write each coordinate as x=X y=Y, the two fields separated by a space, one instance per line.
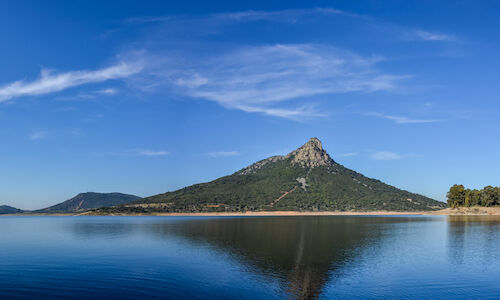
x=307 y=179
x=86 y=201
x=5 y=209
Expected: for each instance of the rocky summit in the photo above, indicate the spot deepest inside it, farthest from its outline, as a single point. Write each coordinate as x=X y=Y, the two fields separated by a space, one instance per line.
x=311 y=155
x=306 y=179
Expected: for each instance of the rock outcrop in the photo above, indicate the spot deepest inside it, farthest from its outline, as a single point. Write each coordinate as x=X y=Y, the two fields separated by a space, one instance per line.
x=311 y=155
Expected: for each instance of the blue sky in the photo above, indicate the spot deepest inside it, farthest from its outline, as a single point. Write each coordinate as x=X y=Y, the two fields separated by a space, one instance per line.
x=146 y=97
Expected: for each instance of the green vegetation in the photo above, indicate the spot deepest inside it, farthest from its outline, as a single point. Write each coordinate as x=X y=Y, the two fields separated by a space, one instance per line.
x=86 y=201
x=5 y=209
x=305 y=180
x=460 y=196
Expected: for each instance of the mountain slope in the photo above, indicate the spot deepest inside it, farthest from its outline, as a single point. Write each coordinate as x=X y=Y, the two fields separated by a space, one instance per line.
x=5 y=209
x=306 y=179
x=86 y=201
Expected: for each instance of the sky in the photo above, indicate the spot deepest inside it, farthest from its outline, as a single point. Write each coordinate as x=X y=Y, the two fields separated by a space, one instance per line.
x=145 y=97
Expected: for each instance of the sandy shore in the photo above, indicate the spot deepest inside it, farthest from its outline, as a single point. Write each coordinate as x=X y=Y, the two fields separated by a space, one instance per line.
x=462 y=211
x=468 y=211
x=277 y=213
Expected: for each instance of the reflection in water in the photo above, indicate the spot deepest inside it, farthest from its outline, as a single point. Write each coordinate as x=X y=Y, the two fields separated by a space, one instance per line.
x=252 y=258
x=301 y=251
x=472 y=236
x=103 y=230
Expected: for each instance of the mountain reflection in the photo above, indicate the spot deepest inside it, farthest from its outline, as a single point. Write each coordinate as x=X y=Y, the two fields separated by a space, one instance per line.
x=304 y=253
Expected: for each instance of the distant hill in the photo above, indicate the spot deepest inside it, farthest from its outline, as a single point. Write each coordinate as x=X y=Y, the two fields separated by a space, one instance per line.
x=86 y=201
x=307 y=179
x=5 y=209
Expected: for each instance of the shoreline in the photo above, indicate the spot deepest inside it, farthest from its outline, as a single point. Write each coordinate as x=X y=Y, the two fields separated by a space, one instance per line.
x=271 y=214
x=234 y=214
x=461 y=211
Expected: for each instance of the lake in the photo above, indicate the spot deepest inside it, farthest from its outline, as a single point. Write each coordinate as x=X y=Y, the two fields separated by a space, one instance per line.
x=365 y=257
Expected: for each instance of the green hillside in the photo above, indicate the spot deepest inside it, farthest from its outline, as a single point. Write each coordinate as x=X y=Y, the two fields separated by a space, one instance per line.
x=5 y=209
x=307 y=179
x=86 y=201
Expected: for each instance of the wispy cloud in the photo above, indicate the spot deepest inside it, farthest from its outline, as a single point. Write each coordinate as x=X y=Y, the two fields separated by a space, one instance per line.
x=39 y=135
x=388 y=155
x=282 y=15
x=148 y=19
x=259 y=79
x=433 y=36
x=349 y=154
x=286 y=15
x=50 y=82
x=224 y=153
x=385 y=155
x=139 y=152
x=76 y=132
x=403 y=119
x=288 y=113
x=151 y=153
x=108 y=91
x=274 y=79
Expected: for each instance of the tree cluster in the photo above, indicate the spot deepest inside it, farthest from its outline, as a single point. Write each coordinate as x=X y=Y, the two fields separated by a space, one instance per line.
x=460 y=196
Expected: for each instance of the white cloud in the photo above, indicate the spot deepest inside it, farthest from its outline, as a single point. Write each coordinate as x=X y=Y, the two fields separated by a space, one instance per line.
x=278 y=80
x=224 y=153
x=76 y=132
x=260 y=79
x=287 y=15
x=432 y=36
x=38 y=135
x=349 y=154
x=403 y=119
x=290 y=15
x=50 y=82
x=151 y=153
x=385 y=155
x=108 y=91
x=140 y=152
x=292 y=113
x=148 y=19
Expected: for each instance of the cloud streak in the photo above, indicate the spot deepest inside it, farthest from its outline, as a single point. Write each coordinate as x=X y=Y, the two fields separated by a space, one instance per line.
x=286 y=15
x=140 y=152
x=433 y=36
x=349 y=154
x=258 y=79
x=39 y=135
x=290 y=15
x=403 y=119
x=386 y=155
x=275 y=79
x=50 y=82
x=224 y=153
x=151 y=153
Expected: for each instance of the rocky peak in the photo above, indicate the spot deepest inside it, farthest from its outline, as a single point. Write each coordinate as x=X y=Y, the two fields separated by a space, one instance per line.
x=311 y=155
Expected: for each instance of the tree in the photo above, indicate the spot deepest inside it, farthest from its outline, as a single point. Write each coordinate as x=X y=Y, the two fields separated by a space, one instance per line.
x=468 y=198
x=456 y=196
x=475 y=197
x=489 y=196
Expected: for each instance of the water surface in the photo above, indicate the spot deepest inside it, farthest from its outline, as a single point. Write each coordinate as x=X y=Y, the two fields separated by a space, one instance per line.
x=409 y=257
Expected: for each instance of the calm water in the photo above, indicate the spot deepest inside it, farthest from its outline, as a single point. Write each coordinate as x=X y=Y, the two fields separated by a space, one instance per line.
x=253 y=258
